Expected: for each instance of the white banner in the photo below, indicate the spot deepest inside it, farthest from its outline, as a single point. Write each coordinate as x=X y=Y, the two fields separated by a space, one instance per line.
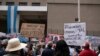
x=75 y=33
x=94 y=41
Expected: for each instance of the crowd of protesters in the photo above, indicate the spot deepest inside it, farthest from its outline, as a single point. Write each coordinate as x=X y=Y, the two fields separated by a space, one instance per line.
x=14 y=47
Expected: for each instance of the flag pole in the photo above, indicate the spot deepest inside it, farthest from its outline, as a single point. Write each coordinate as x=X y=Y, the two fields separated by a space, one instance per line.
x=79 y=18
x=79 y=11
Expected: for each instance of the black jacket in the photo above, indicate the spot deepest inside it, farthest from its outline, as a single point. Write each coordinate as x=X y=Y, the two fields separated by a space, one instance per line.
x=2 y=52
x=48 y=52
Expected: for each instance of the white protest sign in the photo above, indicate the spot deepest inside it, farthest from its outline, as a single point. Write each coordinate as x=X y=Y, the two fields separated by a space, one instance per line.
x=94 y=41
x=75 y=33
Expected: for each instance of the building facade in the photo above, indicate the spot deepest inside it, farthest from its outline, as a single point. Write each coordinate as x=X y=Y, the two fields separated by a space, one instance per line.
x=24 y=2
x=65 y=11
x=33 y=11
x=54 y=14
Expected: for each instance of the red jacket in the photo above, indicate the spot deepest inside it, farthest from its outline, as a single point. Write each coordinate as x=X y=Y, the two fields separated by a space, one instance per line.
x=87 y=52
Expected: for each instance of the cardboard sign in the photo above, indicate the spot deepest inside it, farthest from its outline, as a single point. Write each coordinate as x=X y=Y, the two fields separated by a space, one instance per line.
x=32 y=30
x=74 y=33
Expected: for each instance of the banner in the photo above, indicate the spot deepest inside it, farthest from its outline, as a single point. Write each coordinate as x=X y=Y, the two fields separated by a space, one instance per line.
x=94 y=41
x=74 y=33
x=32 y=30
x=54 y=37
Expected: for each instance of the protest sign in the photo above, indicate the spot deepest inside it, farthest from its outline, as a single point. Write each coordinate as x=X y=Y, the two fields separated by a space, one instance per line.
x=94 y=41
x=74 y=33
x=54 y=37
x=32 y=30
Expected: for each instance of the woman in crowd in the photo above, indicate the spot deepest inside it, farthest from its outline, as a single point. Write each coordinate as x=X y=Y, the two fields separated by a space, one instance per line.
x=62 y=49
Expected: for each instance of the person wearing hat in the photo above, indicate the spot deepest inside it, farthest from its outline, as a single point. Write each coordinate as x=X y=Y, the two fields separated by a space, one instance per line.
x=87 y=51
x=14 y=47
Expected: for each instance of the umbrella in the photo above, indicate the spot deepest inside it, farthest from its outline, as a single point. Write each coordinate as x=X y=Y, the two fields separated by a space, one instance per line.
x=23 y=39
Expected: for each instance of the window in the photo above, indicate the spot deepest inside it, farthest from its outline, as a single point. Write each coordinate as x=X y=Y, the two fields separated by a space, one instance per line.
x=23 y=3
x=0 y=3
x=35 y=4
x=9 y=3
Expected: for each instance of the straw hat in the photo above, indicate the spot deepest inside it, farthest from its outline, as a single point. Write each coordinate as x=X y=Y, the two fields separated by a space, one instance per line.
x=14 y=45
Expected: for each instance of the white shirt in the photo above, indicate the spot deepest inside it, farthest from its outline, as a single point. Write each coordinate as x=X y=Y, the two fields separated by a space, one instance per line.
x=99 y=55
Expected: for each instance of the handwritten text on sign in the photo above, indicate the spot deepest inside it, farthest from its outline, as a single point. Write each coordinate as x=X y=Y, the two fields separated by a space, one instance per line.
x=32 y=30
x=74 y=33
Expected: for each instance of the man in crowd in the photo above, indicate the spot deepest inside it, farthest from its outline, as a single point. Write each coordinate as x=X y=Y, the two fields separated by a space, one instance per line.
x=87 y=51
x=48 y=51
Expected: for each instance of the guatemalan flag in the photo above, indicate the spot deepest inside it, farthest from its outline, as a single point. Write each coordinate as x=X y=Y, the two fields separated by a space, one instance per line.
x=11 y=19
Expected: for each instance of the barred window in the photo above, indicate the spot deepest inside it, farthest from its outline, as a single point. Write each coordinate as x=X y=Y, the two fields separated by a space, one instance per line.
x=35 y=4
x=23 y=3
x=9 y=3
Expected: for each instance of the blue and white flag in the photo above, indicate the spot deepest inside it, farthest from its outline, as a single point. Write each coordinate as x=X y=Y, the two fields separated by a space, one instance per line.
x=11 y=19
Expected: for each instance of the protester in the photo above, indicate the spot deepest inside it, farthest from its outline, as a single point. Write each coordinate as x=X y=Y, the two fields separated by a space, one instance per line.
x=30 y=51
x=98 y=53
x=76 y=51
x=62 y=49
x=42 y=47
x=62 y=37
x=14 y=47
x=38 y=49
x=48 y=51
x=87 y=51
x=53 y=46
x=4 y=43
x=2 y=51
x=71 y=49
